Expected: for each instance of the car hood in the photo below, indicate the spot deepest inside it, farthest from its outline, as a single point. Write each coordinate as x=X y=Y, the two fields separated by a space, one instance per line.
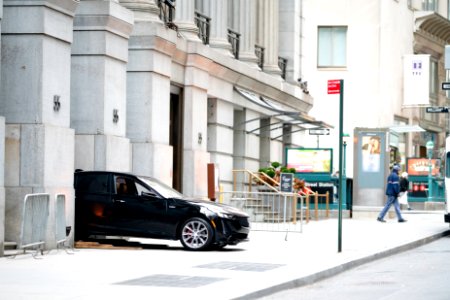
x=216 y=206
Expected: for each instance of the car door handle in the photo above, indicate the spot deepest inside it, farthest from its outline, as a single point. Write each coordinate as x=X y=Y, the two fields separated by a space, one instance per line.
x=119 y=201
x=172 y=206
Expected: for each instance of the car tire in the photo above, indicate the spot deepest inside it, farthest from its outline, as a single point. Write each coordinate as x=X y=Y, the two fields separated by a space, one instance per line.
x=196 y=234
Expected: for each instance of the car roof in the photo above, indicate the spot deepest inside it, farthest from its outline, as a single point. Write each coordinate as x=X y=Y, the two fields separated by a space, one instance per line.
x=78 y=171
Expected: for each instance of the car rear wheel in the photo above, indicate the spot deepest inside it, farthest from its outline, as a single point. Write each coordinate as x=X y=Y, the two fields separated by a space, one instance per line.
x=196 y=234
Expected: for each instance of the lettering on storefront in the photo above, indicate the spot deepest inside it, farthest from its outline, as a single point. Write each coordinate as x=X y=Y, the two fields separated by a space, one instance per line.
x=420 y=166
x=319 y=184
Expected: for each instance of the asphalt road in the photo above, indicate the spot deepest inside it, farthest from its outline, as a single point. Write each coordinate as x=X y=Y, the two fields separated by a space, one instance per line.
x=417 y=274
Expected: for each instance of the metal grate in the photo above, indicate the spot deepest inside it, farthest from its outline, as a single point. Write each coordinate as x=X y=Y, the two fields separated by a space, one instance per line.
x=241 y=266
x=163 y=280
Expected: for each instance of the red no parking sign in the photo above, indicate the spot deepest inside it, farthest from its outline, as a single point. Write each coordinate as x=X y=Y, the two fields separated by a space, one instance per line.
x=334 y=86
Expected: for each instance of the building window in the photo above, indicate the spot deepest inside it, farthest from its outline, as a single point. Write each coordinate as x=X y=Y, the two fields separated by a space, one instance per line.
x=430 y=5
x=332 y=46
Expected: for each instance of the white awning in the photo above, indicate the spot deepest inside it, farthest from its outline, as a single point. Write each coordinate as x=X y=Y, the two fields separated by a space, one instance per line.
x=406 y=128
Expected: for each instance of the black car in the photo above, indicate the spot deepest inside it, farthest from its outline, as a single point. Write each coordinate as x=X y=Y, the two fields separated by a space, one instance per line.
x=122 y=204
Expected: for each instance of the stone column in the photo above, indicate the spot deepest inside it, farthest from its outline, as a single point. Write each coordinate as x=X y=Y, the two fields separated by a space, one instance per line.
x=99 y=62
x=218 y=12
x=143 y=10
x=290 y=36
x=2 y=184
x=35 y=101
x=185 y=20
x=246 y=145
x=267 y=36
x=195 y=156
x=2 y=163
x=220 y=138
x=243 y=21
x=150 y=48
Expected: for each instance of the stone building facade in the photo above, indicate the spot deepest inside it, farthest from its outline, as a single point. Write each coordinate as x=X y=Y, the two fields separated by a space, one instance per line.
x=133 y=86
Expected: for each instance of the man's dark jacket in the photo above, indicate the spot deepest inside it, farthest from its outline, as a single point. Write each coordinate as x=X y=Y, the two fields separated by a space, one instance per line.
x=393 y=184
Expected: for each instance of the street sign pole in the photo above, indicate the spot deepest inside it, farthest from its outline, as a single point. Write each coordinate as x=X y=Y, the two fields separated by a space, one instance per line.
x=337 y=87
x=341 y=166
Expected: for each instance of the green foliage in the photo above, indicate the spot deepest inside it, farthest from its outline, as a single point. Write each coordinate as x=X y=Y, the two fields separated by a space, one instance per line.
x=270 y=173
x=275 y=164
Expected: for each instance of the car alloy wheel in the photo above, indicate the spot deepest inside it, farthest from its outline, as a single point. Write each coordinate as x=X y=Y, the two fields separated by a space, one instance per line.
x=196 y=234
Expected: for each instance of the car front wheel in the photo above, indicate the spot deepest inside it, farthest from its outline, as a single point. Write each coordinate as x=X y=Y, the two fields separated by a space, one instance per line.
x=196 y=234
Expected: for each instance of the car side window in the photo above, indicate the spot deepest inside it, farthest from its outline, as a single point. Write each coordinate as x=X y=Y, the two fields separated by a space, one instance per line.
x=93 y=183
x=125 y=186
x=140 y=188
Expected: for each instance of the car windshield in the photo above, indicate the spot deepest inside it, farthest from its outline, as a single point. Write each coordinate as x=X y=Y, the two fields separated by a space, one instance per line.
x=163 y=189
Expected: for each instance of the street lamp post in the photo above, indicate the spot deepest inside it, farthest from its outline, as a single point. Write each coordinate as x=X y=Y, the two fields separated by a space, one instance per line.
x=430 y=147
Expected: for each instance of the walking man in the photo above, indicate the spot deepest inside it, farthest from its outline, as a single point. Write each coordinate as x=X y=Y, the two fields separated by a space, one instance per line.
x=392 y=191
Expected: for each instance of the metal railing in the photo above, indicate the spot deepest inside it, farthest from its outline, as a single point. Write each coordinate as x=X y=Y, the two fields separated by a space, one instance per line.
x=282 y=64
x=258 y=178
x=251 y=182
x=62 y=231
x=316 y=197
x=167 y=13
x=234 y=38
x=34 y=222
x=203 y=23
x=259 y=196
x=270 y=211
x=259 y=52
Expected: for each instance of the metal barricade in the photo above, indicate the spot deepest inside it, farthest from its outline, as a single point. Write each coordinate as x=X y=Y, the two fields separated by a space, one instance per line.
x=270 y=211
x=34 y=222
x=60 y=220
x=62 y=232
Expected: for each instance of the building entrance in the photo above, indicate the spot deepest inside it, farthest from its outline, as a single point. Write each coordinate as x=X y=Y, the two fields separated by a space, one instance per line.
x=176 y=139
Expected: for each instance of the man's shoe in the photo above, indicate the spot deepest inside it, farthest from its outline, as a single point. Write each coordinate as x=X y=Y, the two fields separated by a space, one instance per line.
x=381 y=220
x=401 y=220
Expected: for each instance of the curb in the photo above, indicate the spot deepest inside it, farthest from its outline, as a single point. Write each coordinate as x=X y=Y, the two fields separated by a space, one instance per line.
x=313 y=278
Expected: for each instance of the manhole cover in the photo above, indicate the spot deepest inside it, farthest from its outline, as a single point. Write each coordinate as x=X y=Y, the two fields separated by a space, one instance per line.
x=172 y=281
x=241 y=266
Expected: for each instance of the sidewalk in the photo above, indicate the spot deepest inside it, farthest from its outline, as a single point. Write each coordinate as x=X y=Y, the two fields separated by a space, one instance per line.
x=266 y=264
